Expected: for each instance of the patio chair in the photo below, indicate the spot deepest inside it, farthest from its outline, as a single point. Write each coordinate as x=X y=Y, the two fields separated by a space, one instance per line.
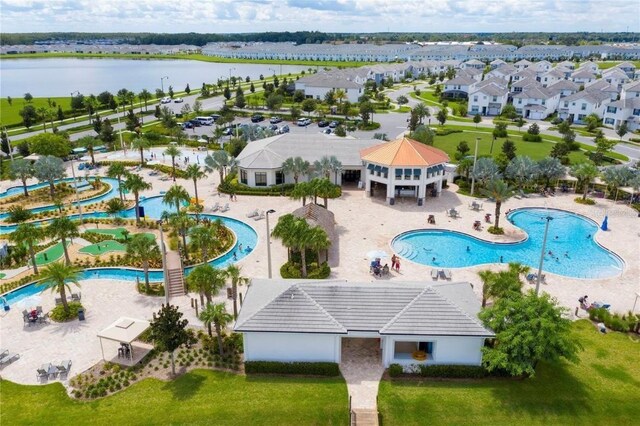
x=58 y=301
x=8 y=357
x=4 y=353
x=253 y=213
x=434 y=274
x=63 y=367
x=225 y=208
x=43 y=371
x=39 y=309
x=260 y=216
x=44 y=318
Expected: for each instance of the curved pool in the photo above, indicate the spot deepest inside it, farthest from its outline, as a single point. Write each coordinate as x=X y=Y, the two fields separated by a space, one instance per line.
x=571 y=249
x=154 y=207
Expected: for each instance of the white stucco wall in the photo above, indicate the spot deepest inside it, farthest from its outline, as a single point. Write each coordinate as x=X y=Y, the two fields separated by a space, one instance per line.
x=288 y=347
x=446 y=350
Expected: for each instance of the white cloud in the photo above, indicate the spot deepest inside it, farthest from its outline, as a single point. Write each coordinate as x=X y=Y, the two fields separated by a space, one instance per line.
x=320 y=15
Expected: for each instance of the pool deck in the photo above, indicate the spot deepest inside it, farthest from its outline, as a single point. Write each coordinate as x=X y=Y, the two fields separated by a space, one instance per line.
x=362 y=224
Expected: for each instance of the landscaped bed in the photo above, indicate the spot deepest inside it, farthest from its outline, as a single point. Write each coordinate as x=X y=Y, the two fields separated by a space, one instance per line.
x=601 y=389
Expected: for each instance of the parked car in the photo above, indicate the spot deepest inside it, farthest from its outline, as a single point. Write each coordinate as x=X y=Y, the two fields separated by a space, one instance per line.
x=327 y=131
x=228 y=131
x=333 y=124
x=273 y=127
x=283 y=129
x=188 y=125
x=165 y=100
x=304 y=122
x=257 y=118
x=178 y=100
x=275 y=120
x=195 y=123
x=215 y=116
x=323 y=123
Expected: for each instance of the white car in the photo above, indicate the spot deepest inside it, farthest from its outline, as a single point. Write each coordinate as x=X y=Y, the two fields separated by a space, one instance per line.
x=165 y=100
x=178 y=100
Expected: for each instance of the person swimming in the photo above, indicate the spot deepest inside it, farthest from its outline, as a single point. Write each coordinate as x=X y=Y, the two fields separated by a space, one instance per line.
x=468 y=249
x=566 y=254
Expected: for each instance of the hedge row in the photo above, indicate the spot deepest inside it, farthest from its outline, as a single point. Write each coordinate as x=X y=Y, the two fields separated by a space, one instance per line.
x=329 y=369
x=445 y=132
x=527 y=137
x=627 y=322
x=292 y=270
x=158 y=167
x=232 y=187
x=443 y=371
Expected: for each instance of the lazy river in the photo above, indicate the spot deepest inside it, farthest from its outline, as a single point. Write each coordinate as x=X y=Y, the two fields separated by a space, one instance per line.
x=571 y=248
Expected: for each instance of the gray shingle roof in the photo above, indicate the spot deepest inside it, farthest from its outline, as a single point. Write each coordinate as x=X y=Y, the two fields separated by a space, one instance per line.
x=414 y=308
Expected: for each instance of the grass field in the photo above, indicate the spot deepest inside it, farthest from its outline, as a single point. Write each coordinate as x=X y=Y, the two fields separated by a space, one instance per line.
x=50 y=255
x=117 y=233
x=199 y=397
x=108 y=246
x=603 y=389
x=193 y=57
x=10 y=114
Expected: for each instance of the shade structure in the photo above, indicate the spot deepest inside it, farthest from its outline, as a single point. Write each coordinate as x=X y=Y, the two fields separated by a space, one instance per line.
x=124 y=330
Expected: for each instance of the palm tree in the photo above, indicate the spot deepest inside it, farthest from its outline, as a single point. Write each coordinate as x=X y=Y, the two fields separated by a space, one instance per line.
x=141 y=144
x=173 y=152
x=486 y=277
x=117 y=171
x=422 y=111
x=301 y=191
x=89 y=143
x=176 y=195
x=218 y=316
x=295 y=235
x=21 y=169
x=340 y=95
x=62 y=228
x=585 y=173
x=144 y=249
x=550 y=168
x=500 y=191
x=322 y=166
x=195 y=173
x=57 y=276
x=284 y=231
x=206 y=280
x=135 y=184
x=325 y=189
x=521 y=170
x=145 y=96
x=201 y=238
x=318 y=241
x=217 y=161
x=295 y=166
x=181 y=221
x=237 y=280
x=336 y=167
x=31 y=235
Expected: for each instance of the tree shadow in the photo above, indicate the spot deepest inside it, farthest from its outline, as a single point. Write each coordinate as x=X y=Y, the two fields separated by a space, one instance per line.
x=615 y=372
x=186 y=386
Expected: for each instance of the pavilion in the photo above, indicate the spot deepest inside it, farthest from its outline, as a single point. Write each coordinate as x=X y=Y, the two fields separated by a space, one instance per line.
x=404 y=168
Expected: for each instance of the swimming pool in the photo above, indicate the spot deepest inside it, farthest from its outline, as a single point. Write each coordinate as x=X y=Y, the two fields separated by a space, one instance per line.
x=154 y=207
x=571 y=248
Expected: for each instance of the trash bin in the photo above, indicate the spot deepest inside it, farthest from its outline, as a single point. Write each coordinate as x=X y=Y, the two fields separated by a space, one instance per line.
x=7 y=307
x=81 y=314
x=392 y=201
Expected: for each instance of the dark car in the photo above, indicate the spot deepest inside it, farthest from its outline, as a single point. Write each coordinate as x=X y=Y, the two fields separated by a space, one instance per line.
x=215 y=116
x=323 y=123
x=275 y=120
x=257 y=118
x=194 y=123
x=333 y=124
x=273 y=127
x=228 y=131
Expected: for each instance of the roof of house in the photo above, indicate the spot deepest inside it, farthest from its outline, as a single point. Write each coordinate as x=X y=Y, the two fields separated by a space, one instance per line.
x=316 y=215
x=583 y=73
x=593 y=97
x=563 y=85
x=339 y=307
x=270 y=153
x=404 y=152
x=632 y=86
x=330 y=80
x=534 y=92
x=462 y=80
x=523 y=62
x=491 y=90
x=473 y=62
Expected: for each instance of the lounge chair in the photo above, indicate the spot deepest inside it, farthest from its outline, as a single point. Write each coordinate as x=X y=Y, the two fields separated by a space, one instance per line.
x=253 y=213
x=63 y=367
x=8 y=357
x=447 y=273
x=225 y=208
x=43 y=371
x=76 y=296
x=522 y=194
x=216 y=207
x=434 y=274
x=58 y=301
x=260 y=216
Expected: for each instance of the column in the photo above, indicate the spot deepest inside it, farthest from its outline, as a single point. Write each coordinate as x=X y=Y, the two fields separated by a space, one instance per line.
x=439 y=186
x=391 y=192
x=367 y=183
x=422 y=188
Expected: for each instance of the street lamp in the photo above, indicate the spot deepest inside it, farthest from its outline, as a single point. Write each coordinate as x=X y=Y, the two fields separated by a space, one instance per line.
x=162 y=82
x=269 y=242
x=231 y=69
x=164 y=263
x=73 y=93
x=124 y=148
x=473 y=173
x=273 y=71
x=544 y=245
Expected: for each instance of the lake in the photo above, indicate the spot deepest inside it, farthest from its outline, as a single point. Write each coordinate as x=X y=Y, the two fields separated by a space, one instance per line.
x=61 y=76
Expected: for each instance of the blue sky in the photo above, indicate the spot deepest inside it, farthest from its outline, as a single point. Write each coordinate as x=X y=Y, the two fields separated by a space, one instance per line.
x=222 y=16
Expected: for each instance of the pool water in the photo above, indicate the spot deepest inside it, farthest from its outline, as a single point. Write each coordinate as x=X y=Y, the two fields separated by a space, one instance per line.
x=571 y=249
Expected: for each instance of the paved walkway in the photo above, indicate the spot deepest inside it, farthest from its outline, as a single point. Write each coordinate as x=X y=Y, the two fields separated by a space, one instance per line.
x=361 y=366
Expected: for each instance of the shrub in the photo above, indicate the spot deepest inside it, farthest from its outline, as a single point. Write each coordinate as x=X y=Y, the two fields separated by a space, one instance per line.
x=445 y=132
x=58 y=313
x=453 y=371
x=495 y=231
x=329 y=369
x=531 y=138
x=586 y=201
x=395 y=370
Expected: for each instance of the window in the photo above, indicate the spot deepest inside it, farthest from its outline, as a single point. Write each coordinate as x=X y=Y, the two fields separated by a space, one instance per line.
x=612 y=109
x=407 y=174
x=279 y=177
x=520 y=101
x=566 y=104
x=261 y=179
x=609 y=121
x=495 y=99
x=544 y=102
x=405 y=350
x=583 y=107
x=416 y=174
x=398 y=173
x=243 y=176
x=475 y=99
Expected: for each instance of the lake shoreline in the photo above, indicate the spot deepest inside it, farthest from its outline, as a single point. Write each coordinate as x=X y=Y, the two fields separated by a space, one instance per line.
x=190 y=57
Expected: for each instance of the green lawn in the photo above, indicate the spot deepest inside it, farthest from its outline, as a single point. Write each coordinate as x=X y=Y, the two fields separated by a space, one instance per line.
x=604 y=389
x=103 y=247
x=117 y=233
x=9 y=114
x=200 y=397
x=610 y=64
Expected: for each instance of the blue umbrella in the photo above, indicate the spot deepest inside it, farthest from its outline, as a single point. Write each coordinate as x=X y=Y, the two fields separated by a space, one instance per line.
x=604 y=223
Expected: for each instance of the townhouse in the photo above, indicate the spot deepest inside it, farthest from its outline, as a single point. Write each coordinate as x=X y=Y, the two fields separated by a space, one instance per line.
x=578 y=106
x=488 y=97
x=535 y=102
